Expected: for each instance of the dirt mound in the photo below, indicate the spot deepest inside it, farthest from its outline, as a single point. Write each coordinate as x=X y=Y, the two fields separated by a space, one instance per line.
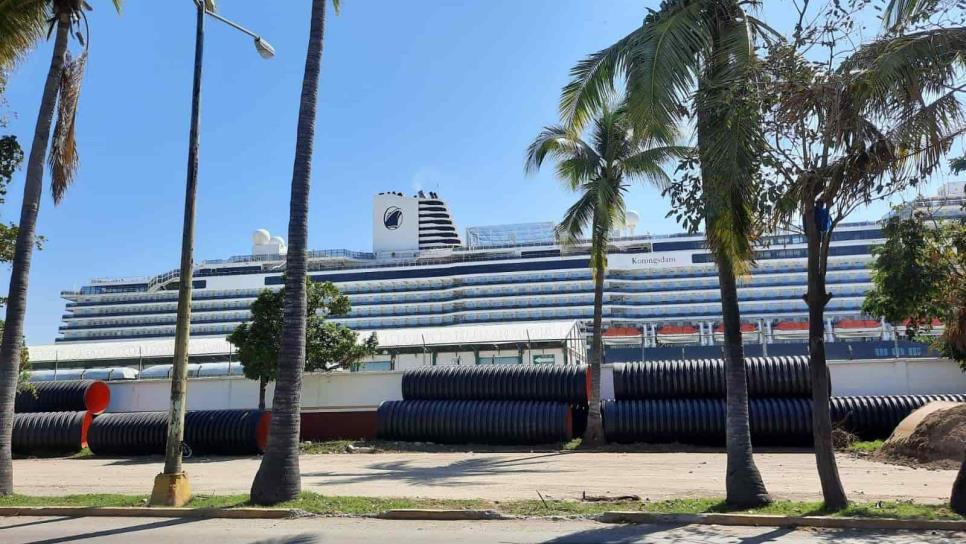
x=932 y=436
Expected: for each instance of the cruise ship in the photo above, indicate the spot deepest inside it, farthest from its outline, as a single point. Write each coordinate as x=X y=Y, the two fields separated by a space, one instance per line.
x=661 y=291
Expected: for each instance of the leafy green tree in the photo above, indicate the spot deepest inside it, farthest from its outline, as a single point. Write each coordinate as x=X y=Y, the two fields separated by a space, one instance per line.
x=327 y=345
x=22 y=25
x=278 y=478
x=600 y=170
x=866 y=122
x=919 y=277
x=694 y=61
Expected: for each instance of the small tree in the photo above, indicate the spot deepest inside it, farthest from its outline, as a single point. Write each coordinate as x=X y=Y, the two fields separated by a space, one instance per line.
x=919 y=277
x=327 y=345
x=856 y=124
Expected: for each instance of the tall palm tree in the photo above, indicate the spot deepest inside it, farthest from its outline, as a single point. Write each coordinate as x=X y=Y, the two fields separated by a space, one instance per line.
x=601 y=172
x=693 y=60
x=278 y=478
x=23 y=23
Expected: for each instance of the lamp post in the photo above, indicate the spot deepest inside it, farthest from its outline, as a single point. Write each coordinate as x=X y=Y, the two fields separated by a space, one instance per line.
x=171 y=487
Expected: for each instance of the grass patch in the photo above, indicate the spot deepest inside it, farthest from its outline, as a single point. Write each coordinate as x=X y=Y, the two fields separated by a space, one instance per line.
x=866 y=446
x=331 y=446
x=573 y=445
x=86 y=452
x=358 y=506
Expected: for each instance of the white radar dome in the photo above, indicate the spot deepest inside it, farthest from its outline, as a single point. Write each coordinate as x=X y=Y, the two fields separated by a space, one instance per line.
x=632 y=218
x=277 y=240
x=261 y=237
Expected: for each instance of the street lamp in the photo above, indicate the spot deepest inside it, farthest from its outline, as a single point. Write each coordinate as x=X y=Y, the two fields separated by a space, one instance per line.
x=171 y=486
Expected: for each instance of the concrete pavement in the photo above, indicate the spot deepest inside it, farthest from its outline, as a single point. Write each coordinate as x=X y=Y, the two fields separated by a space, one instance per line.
x=346 y=530
x=495 y=476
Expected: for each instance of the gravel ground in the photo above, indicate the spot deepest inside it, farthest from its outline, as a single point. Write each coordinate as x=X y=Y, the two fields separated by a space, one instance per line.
x=496 y=476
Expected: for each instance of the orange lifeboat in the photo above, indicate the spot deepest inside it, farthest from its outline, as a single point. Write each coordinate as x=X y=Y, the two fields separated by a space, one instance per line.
x=749 y=332
x=857 y=328
x=790 y=330
x=678 y=334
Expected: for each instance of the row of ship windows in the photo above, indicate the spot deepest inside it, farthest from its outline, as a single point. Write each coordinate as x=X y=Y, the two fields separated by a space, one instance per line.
x=707 y=279
x=511 y=298
x=584 y=311
x=362 y=324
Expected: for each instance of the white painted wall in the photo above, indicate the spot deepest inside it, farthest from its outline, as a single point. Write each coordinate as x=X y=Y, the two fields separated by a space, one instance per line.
x=896 y=377
x=333 y=391
x=365 y=390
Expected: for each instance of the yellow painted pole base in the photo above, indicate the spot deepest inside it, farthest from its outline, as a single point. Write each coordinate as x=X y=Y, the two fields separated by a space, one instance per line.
x=170 y=490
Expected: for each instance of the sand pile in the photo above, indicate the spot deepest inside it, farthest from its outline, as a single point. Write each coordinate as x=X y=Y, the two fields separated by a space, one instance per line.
x=933 y=436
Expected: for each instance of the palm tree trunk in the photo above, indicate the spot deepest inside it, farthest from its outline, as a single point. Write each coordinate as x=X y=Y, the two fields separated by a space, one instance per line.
x=262 y=384
x=957 y=499
x=743 y=484
x=278 y=478
x=26 y=237
x=817 y=298
x=594 y=433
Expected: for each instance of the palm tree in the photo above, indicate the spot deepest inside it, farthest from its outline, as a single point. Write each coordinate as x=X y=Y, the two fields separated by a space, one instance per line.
x=694 y=59
x=278 y=478
x=23 y=23
x=600 y=171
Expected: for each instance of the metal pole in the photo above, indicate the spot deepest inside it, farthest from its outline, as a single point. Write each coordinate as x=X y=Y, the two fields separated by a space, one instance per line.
x=179 y=374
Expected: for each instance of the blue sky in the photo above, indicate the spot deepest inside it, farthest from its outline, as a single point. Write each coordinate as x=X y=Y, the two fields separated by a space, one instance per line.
x=442 y=95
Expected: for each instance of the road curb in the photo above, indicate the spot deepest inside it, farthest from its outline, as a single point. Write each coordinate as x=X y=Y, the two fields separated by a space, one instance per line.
x=146 y=512
x=442 y=515
x=768 y=520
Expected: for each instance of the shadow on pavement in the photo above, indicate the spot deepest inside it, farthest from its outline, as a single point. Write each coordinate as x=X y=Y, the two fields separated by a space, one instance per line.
x=297 y=539
x=119 y=531
x=38 y=522
x=452 y=474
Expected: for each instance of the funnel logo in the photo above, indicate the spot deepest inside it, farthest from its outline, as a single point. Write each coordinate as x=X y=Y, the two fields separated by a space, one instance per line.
x=393 y=217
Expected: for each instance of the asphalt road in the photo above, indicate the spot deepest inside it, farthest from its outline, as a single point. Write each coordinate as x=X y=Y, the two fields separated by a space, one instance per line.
x=496 y=476
x=54 y=530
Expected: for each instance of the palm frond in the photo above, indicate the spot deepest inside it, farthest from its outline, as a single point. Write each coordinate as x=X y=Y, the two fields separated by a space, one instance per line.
x=593 y=80
x=577 y=217
x=336 y=6
x=63 y=158
x=119 y=5
x=663 y=65
x=646 y=163
x=23 y=23
x=577 y=161
x=892 y=72
x=899 y=13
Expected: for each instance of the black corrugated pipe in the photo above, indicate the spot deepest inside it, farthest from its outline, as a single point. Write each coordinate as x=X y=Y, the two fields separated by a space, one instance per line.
x=778 y=421
x=701 y=378
x=473 y=421
x=220 y=432
x=528 y=382
x=50 y=432
x=67 y=396
x=877 y=416
x=702 y=421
